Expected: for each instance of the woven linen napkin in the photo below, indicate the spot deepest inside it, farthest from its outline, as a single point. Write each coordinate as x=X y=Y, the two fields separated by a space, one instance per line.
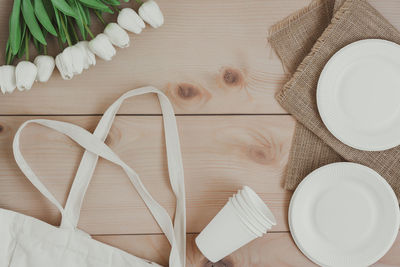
x=305 y=41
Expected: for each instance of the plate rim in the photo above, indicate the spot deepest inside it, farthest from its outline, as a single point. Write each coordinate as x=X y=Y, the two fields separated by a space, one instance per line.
x=312 y=174
x=323 y=117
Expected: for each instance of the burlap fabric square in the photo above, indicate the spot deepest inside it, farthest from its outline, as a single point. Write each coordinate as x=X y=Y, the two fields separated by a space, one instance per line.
x=305 y=41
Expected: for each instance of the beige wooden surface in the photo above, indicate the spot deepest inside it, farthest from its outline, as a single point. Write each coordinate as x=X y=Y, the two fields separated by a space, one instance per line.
x=213 y=61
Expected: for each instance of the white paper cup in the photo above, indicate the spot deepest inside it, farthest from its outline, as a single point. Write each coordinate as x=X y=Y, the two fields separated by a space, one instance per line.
x=244 y=218
x=257 y=204
x=251 y=213
x=247 y=217
x=224 y=234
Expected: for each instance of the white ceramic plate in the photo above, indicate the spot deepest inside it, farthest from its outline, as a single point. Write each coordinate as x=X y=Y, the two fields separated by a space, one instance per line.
x=344 y=214
x=358 y=95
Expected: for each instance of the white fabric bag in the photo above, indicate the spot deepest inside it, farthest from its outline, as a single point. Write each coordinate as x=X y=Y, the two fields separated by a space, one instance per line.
x=28 y=242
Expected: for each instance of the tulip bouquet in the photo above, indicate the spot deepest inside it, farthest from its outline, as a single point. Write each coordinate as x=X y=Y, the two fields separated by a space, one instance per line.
x=32 y=21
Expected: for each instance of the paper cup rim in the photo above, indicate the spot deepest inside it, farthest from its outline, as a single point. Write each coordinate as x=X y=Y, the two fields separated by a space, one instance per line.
x=250 y=217
x=256 y=216
x=259 y=204
x=244 y=220
x=247 y=198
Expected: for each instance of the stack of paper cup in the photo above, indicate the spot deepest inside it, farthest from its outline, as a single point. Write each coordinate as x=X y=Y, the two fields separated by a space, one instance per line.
x=244 y=218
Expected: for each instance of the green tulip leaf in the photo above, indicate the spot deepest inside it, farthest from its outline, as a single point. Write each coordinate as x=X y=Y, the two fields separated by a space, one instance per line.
x=29 y=16
x=37 y=46
x=61 y=32
x=15 y=28
x=9 y=56
x=84 y=12
x=43 y=17
x=22 y=49
x=49 y=8
x=7 y=48
x=112 y=2
x=96 y=4
x=81 y=18
x=64 y=7
x=87 y=15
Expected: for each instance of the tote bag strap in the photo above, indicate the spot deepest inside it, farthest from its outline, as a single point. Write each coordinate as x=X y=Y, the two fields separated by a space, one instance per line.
x=95 y=147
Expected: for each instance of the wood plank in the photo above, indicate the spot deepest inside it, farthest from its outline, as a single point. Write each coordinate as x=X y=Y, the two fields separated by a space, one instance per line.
x=201 y=43
x=220 y=154
x=273 y=249
x=389 y=9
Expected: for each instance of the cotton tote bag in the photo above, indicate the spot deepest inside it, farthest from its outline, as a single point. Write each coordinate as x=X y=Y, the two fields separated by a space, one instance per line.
x=28 y=242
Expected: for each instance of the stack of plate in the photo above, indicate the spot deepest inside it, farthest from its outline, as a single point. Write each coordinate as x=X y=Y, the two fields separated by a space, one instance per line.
x=358 y=95
x=346 y=214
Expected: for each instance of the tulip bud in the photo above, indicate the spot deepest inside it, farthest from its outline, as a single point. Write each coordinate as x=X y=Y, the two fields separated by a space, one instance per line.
x=45 y=67
x=89 y=58
x=25 y=75
x=118 y=36
x=102 y=47
x=7 y=75
x=70 y=62
x=130 y=20
x=64 y=66
x=77 y=58
x=150 y=12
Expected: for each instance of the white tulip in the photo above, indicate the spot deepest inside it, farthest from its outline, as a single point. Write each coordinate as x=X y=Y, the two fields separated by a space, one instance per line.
x=150 y=12
x=25 y=75
x=130 y=20
x=118 y=36
x=70 y=62
x=64 y=66
x=89 y=58
x=7 y=78
x=102 y=47
x=45 y=66
x=77 y=58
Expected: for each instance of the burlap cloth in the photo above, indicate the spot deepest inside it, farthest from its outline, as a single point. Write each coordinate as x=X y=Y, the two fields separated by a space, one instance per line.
x=304 y=42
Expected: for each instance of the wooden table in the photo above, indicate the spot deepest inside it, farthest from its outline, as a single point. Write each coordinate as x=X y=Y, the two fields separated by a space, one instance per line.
x=213 y=61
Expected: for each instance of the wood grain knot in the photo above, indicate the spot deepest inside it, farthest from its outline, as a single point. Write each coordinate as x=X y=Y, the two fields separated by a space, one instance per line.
x=187 y=91
x=1 y=128
x=221 y=263
x=261 y=154
x=188 y=96
x=232 y=77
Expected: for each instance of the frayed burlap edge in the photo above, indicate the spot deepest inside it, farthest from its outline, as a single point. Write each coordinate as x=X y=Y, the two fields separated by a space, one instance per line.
x=292 y=18
x=308 y=60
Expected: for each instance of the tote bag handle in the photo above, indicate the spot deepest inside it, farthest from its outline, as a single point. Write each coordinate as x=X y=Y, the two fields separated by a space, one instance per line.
x=95 y=147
